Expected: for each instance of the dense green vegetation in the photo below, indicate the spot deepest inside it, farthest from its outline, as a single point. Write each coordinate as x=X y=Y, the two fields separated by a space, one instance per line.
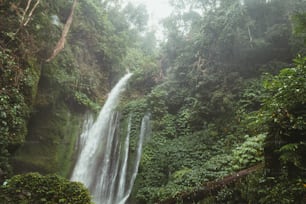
x=43 y=103
x=217 y=112
x=226 y=91
x=34 y=188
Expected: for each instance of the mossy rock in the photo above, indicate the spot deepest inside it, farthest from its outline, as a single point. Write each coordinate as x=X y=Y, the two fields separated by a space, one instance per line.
x=35 y=188
x=49 y=146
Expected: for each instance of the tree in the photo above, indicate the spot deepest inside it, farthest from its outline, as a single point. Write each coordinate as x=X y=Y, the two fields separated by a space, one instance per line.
x=137 y=16
x=284 y=112
x=61 y=43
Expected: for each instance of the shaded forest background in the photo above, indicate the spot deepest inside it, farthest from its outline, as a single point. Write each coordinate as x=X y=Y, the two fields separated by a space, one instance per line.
x=225 y=90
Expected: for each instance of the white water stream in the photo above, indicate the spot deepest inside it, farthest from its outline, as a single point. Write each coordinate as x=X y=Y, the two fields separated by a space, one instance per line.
x=103 y=162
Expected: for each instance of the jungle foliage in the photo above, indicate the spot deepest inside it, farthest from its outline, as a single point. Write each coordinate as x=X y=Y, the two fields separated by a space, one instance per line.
x=228 y=102
x=225 y=90
x=42 y=103
x=35 y=188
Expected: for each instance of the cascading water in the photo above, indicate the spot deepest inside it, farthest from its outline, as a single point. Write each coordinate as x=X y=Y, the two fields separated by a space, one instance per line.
x=102 y=164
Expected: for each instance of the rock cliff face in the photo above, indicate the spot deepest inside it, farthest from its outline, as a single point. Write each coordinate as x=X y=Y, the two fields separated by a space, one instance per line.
x=64 y=92
x=43 y=103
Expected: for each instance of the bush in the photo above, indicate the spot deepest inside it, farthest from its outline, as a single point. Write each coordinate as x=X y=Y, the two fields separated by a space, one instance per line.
x=33 y=188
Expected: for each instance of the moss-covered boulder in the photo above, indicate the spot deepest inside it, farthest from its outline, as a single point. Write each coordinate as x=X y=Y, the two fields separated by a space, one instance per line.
x=35 y=188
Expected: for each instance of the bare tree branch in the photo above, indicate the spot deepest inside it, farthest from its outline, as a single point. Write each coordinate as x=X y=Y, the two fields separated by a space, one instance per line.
x=25 y=11
x=26 y=17
x=31 y=12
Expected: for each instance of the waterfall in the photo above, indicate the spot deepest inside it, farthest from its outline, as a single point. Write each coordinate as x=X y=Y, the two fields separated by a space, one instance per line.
x=143 y=132
x=103 y=161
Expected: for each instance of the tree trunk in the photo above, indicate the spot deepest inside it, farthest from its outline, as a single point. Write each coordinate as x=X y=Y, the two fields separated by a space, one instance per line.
x=61 y=43
x=201 y=193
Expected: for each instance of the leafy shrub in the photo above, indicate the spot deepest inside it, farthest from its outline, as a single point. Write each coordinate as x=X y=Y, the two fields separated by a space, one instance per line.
x=250 y=152
x=258 y=188
x=84 y=100
x=284 y=112
x=34 y=188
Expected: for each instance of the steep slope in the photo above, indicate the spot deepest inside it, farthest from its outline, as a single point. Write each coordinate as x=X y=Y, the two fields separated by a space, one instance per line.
x=43 y=101
x=206 y=113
